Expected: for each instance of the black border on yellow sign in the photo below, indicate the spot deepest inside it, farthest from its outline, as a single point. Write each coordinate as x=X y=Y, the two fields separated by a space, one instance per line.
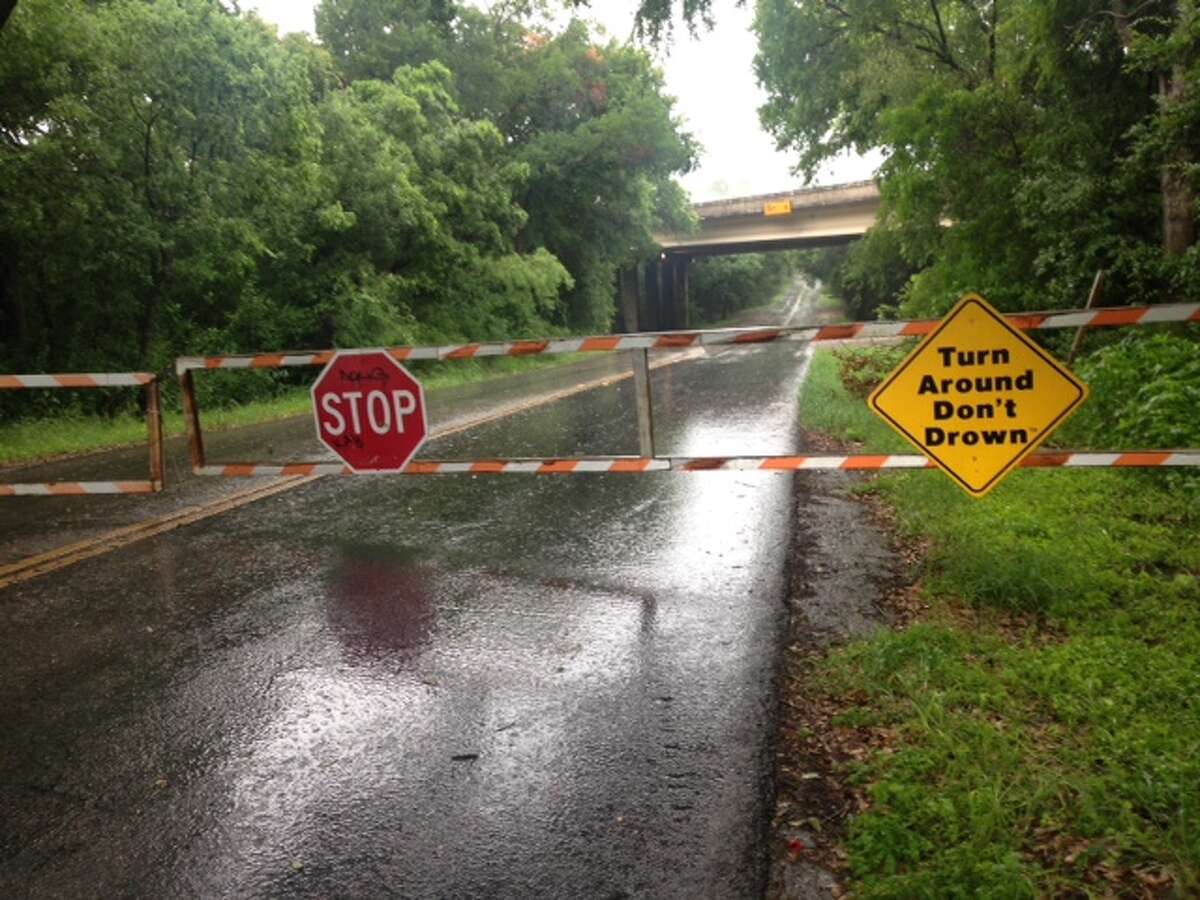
x=979 y=301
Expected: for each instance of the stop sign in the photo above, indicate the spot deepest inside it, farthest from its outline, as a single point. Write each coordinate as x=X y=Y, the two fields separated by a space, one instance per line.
x=369 y=410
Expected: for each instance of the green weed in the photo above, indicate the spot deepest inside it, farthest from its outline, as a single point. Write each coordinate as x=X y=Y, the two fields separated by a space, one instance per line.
x=826 y=407
x=1045 y=721
x=863 y=368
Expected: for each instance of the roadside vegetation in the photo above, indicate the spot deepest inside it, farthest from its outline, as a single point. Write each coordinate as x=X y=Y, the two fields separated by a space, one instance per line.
x=177 y=178
x=1025 y=145
x=1033 y=729
x=72 y=432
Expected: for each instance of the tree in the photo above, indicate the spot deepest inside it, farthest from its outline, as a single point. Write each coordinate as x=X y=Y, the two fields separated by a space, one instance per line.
x=723 y=285
x=1017 y=122
x=591 y=124
x=1074 y=120
x=602 y=144
x=421 y=219
x=654 y=19
x=1163 y=40
x=174 y=177
x=373 y=38
x=140 y=145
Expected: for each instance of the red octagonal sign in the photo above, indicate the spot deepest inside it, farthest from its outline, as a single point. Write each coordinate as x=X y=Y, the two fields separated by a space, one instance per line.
x=370 y=411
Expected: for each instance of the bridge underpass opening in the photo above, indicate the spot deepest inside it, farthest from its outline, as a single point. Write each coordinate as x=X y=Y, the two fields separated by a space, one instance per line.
x=653 y=296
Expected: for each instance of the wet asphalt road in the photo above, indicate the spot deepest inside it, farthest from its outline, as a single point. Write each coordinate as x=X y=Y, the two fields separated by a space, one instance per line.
x=423 y=687
x=30 y=525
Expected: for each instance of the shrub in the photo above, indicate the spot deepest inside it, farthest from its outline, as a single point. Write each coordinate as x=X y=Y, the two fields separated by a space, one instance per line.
x=1145 y=393
x=863 y=368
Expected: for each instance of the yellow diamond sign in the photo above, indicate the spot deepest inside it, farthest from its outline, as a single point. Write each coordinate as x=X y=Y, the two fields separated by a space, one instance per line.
x=977 y=395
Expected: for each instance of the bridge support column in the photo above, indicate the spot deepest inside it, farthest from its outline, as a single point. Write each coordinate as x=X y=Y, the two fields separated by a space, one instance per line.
x=666 y=295
x=629 y=297
x=650 y=305
x=663 y=304
x=681 y=280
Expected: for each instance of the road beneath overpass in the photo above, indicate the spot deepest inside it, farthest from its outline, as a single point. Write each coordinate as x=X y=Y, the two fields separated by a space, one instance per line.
x=653 y=296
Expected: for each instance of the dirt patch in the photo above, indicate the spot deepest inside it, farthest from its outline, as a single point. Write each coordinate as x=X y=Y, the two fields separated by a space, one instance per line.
x=847 y=581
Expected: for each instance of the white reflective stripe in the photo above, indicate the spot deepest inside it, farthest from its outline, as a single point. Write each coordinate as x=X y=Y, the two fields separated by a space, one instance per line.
x=883 y=329
x=494 y=350
x=1085 y=460
x=823 y=462
x=806 y=336
x=639 y=342
x=527 y=468
x=1171 y=312
x=1168 y=312
x=906 y=461
x=745 y=464
x=594 y=465
x=38 y=381
x=31 y=490
x=130 y=379
x=608 y=464
x=101 y=487
x=308 y=359
x=1070 y=320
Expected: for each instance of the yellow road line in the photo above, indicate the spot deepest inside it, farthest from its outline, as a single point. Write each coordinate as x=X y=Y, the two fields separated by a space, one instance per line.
x=52 y=561
x=61 y=557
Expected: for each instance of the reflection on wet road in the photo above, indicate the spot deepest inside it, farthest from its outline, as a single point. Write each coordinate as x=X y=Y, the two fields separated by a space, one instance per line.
x=434 y=687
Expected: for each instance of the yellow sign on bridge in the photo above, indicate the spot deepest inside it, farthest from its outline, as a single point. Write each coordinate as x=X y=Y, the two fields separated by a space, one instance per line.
x=977 y=395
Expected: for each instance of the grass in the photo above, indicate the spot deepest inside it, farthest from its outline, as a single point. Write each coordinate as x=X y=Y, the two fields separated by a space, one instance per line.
x=1039 y=726
x=826 y=406
x=34 y=440
x=830 y=302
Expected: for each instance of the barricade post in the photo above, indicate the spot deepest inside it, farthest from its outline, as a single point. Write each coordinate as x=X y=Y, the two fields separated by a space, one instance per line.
x=641 y=344
x=150 y=385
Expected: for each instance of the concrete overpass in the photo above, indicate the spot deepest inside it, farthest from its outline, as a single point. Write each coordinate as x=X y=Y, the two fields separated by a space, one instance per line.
x=812 y=217
x=654 y=296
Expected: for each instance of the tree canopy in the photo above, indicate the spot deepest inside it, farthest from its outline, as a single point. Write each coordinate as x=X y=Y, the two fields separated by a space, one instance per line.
x=590 y=122
x=1027 y=143
x=1037 y=130
x=176 y=177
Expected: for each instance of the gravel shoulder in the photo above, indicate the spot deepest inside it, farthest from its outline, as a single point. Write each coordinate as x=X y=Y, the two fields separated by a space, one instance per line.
x=843 y=573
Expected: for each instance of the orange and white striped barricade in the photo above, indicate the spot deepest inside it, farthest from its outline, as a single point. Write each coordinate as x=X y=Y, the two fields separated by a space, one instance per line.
x=640 y=345
x=145 y=380
x=854 y=462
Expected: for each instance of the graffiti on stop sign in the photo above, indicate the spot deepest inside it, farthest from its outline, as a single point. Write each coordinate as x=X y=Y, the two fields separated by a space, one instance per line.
x=369 y=410
x=344 y=427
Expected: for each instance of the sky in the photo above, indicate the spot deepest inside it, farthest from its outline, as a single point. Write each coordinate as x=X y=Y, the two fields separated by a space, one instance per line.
x=711 y=77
